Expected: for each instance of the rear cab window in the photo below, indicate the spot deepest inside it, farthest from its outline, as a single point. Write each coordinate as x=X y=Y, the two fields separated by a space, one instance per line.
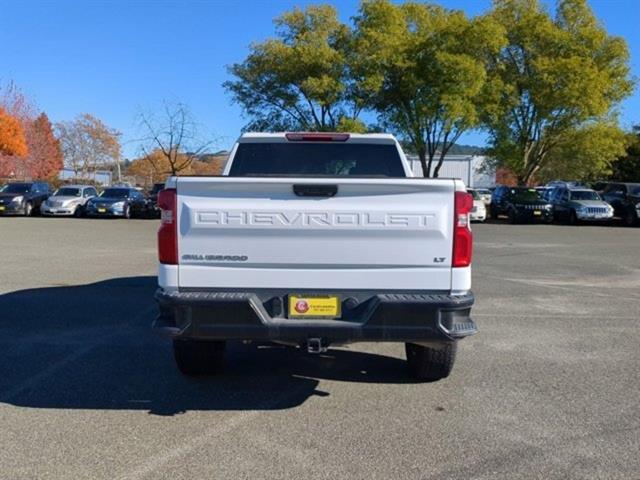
x=317 y=159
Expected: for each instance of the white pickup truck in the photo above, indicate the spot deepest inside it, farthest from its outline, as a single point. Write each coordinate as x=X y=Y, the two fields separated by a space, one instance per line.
x=314 y=239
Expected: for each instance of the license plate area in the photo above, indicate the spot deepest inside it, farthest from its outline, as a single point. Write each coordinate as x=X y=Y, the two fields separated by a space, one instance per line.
x=102 y=210
x=537 y=213
x=314 y=306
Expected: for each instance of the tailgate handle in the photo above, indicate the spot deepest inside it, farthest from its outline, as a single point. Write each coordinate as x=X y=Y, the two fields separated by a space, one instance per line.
x=315 y=190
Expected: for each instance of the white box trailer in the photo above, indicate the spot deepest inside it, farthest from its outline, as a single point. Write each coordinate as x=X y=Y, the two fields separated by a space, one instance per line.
x=468 y=168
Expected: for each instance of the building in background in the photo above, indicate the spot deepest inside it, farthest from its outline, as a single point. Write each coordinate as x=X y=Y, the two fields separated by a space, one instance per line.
x=473 y=170
x=100 y=177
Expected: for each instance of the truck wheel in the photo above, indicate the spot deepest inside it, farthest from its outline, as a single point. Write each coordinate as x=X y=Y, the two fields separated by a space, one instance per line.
x=513 y=217
x=493 y=213
x=630 y=218
x=427 y=363
x=573 y=218
x=198 y=357
x=28 y=209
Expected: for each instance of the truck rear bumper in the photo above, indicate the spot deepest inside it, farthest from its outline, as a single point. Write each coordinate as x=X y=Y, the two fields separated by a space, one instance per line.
x=366 y=316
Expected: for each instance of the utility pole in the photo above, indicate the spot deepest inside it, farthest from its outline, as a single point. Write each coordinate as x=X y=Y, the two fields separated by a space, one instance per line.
x=118 y=168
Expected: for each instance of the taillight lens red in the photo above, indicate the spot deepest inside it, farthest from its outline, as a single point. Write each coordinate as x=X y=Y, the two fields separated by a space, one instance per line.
x=168 y=231
x=462 y=236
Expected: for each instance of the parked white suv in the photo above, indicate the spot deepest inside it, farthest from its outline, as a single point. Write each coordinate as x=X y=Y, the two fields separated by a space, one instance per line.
x=313 y=240
x=479 y=210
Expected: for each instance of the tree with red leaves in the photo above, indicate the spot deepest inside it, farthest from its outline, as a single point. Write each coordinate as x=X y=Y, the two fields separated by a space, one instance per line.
x=45 y=155
x=42 y=156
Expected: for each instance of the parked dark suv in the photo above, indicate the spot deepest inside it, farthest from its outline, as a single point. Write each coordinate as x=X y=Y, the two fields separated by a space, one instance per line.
x=625 y=200
x=23 y=198
x=520 y=204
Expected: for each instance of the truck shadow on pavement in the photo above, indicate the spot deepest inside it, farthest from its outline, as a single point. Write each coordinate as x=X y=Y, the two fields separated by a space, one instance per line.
x=91 y=347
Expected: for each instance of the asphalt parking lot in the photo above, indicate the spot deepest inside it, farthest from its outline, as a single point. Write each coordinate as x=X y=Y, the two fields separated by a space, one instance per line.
x=548 y=389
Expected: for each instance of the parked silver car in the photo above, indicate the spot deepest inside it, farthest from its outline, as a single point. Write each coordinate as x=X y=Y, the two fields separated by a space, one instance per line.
x=68 y=200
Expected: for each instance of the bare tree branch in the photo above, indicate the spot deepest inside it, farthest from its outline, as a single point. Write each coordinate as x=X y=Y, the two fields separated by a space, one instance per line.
x=174 y=137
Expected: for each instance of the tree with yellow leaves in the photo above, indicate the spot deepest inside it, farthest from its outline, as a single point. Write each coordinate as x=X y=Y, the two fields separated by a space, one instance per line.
x=12 y=137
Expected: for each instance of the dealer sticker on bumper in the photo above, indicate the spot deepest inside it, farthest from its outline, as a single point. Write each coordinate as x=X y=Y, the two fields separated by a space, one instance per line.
x=327 y=306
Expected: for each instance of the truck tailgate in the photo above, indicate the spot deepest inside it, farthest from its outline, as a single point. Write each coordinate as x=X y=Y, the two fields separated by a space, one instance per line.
x=250 y=233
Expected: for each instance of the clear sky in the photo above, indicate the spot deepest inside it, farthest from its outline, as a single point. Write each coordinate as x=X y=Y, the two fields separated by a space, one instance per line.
x=116 y=58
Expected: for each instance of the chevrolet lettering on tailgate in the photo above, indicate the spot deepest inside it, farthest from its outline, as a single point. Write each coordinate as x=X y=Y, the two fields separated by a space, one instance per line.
x=373 y=220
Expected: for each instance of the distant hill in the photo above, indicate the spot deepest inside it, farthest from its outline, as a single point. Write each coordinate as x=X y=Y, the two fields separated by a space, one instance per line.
x=456 y=149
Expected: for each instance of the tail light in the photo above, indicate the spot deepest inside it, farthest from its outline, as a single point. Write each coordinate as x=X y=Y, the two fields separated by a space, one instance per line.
x=462 y=236
x=168 y=231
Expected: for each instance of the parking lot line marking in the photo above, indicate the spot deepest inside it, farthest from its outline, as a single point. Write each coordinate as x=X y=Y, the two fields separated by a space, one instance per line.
x=158 y=461
x=32 y=381
x=573 y=315
x=562 y=287
x=290 y=453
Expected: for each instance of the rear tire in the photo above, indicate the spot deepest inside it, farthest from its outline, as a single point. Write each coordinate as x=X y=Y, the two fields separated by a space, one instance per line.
x=78 y=212
x=513 y=217
x=493 y=213
x=28 y=209
x=427 y=363
x=630 y=218
x=199 y=357
x=573 y=218
x=126 y=213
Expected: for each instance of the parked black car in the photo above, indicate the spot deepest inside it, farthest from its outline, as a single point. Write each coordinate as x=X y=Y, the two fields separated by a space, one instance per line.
x=625 y=200
x=520 y=204
x=23 y=198
x=123 y=202
x=600 y=185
